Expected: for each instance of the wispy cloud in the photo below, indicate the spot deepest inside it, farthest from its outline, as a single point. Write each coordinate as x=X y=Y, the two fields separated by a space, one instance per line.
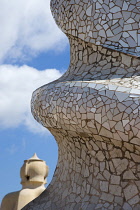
x=12 y=149
x=16 y=87
x=23 y=144
x=27 y=28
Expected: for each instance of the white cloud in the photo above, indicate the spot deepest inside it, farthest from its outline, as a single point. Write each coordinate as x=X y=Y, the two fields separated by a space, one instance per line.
x=23 y=144
x=12 y=149
x=16 y=87
x=27 y=27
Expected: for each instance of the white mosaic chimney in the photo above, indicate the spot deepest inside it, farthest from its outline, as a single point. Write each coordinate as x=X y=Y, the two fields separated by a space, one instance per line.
x=93 y=109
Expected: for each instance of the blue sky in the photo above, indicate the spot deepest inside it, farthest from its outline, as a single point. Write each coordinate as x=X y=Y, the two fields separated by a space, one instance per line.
x=33 y=52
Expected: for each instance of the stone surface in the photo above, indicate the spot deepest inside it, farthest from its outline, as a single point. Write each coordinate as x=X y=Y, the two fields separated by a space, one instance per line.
x=33 y=178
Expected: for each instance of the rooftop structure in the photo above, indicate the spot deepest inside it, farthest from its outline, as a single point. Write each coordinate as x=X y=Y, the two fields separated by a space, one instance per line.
x=93 y=110
x=33 y=175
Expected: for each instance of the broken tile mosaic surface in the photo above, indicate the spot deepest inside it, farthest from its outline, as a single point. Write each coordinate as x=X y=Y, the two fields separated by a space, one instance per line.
x=110 y=23
x=93 y=109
